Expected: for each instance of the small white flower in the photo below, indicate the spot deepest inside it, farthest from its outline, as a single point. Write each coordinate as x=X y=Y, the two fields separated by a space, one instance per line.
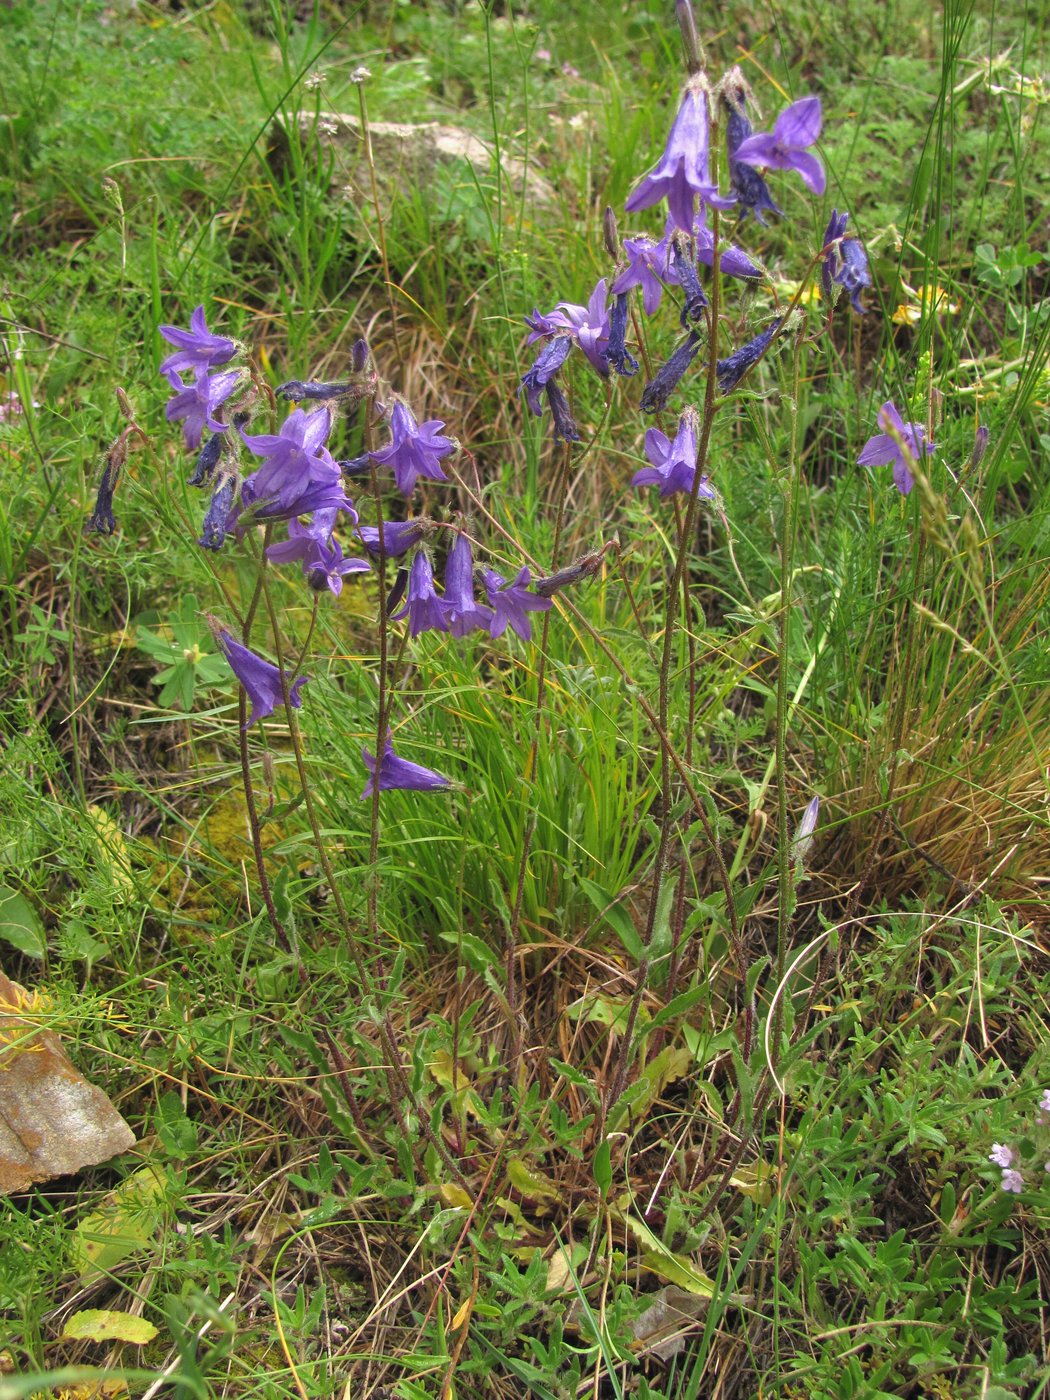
x=1001 y=1155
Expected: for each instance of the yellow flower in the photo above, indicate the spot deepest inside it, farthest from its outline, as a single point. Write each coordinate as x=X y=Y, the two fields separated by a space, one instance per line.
x=926 y=299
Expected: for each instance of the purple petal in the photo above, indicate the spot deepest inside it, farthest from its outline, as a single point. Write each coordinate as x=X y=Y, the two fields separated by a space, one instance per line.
x=799 y=124
x=878 y=451
x=811 y=170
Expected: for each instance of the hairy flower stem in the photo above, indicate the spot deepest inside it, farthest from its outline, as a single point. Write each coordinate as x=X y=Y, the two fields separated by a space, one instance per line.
x=668 y=758
x=513 y=933
x=788 y=524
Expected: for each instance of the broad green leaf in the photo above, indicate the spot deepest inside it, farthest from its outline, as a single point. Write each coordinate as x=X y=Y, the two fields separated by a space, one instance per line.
x=105 y=1325
x=20 y=924
x=123 y=1225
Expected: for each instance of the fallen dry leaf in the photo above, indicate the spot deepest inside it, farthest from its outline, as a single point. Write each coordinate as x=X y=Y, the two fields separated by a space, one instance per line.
x=52 y=1121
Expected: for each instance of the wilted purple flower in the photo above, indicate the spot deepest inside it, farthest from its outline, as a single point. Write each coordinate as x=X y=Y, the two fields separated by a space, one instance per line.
x=689 y=280
x=845 y=261
x=682 y=174
x=415 y=448
x=732 y=369
x=198 y=349
x=397 y=772
x=303 y=538
x=662 y=385
x=673 y=463
x=884 y=448
x=617 y=353
x=564 y=424
x=101 y=520
x=398 y=536
x=648 y=267
x=545 y=366
x=260 y=679
x=1012 y=1181
x=195 y=405
x=797 y=127
x=213 y=533
x=316 y=496
x=207 y=459
x=424 y=607
x=463 y=613
x=511 y=602
x=748 y=185
x=295 y=459
x=732 y=261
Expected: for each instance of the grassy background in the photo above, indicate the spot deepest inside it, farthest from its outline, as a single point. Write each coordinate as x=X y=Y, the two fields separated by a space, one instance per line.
x=862 y=1246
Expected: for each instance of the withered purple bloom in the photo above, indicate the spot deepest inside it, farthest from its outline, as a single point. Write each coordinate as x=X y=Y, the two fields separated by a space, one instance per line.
x=213 y=533
x=197 y=349
x=101 y=521
x=673 y=463
x=618 y=355
x=394 y=772
x=662 y=385
x=415 y=448
x=565 y=427
x=195 y=405
x=545 y=366
x=512 y=602
x=425 y=609
x=845 y=261
x=260 y=679
x=784 y=148
x=207 y=460
x=884 y=449
x=682 y=175
x=689 y=280
x=464 y=614
x=587 y=325
x=732 y=369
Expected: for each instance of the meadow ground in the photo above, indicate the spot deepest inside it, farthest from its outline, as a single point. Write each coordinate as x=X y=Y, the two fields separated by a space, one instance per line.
x=602 y=1070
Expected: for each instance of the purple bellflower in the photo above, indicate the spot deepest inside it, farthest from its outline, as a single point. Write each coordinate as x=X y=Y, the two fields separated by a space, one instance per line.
x=682 y=174
x=732 y=261
x=748 y=185
x=195 y=405
x=587 y=325
x=415 y=448
x=424 y=607
x=302 y=539
x=196 y=349
x=665 y=380
x=648 y=267
x=295 y=460
x=845 y=261
x=784 y=148
x=884 y=448
x=398 y=536
x=394 y=772
x=316 y=496
x=463 y=613
x=732 y=369
x=326 y=567
x=260 y=680
x=673 y=463
x=511 y=602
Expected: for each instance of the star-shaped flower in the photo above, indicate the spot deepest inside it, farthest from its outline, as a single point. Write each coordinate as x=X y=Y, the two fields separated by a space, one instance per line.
x=784 y=148
x=415 y=448
x=905 y=446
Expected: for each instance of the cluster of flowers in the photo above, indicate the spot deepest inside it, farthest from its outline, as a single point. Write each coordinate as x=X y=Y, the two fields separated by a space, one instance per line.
x=1008 y=1158
x=682 y=177
x=297 y=480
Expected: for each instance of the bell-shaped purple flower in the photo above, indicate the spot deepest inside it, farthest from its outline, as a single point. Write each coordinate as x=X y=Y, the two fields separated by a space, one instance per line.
x=424 y=607
x=845 y=261
x=673 y=463
x=748 y=185
x=903 y=448
x=648 y=267
x=394 y=772
x=463 y=613
x=195 y=405
x=415 y=448
x=512 y=602
x=325 y=567
x=295 y=460
x=682 y=174
x=398 y=536
x=784 y=148
x=197 y=349
x=260 y=679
